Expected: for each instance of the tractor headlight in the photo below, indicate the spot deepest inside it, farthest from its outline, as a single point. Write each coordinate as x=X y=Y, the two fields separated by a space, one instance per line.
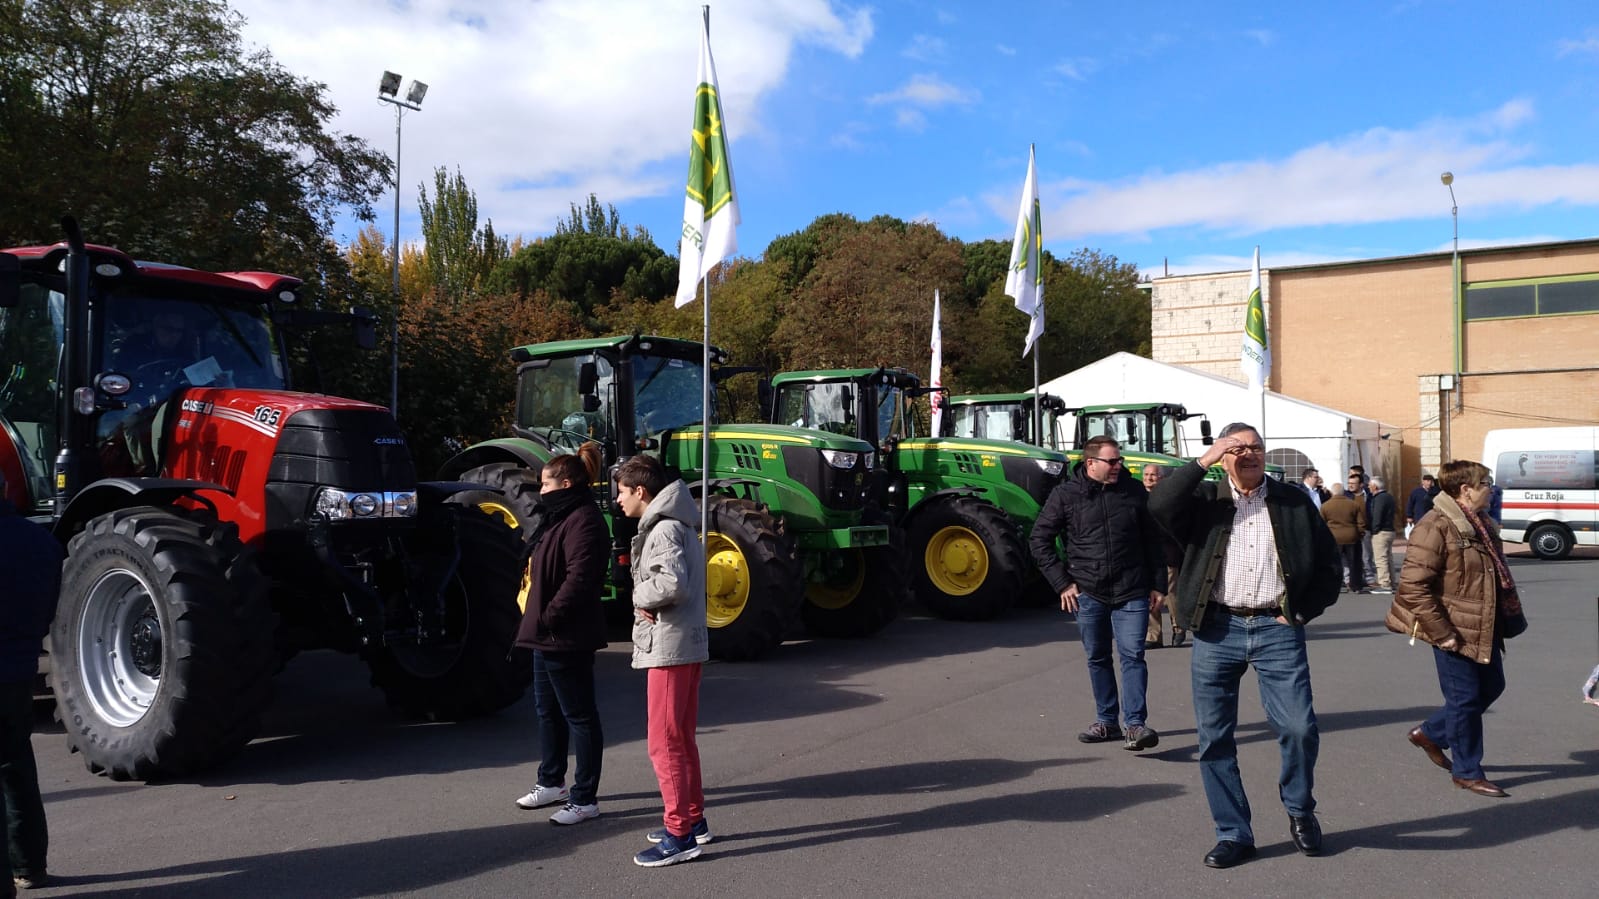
x=333 y=503
x=349 y=505
x=871 y=460
x=1050 y=466
x=840 y=458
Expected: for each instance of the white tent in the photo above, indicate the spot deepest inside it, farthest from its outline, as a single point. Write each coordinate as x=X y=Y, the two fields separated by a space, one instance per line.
x=1297 y=434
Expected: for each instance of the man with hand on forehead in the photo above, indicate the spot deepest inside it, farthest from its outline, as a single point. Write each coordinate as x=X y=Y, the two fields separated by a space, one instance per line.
x=1258 y=563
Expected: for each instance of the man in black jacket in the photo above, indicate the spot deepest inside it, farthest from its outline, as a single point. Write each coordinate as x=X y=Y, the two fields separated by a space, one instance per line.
x=1113 y=571
x=30 y=579
x=1258 y=563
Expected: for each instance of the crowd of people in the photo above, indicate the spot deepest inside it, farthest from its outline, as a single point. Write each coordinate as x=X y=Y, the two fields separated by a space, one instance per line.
x=1241 y=565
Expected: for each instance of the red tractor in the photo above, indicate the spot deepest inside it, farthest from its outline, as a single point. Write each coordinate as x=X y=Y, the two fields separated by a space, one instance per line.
x=216 y=522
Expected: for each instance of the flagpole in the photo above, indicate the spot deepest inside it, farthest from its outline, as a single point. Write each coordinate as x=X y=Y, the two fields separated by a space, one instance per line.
x=1038 y=415
x=705 y=381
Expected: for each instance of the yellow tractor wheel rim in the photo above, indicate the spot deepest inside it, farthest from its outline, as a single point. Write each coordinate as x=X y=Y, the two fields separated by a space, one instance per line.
x=727 y=580
x=956 y=561
x=501 y=511
x=840 y=591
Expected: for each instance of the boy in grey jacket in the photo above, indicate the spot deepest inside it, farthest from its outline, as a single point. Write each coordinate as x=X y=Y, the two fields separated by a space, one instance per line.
x=671 y=643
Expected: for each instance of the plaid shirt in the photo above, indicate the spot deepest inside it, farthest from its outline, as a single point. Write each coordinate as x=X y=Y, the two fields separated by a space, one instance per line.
x=1252 y=577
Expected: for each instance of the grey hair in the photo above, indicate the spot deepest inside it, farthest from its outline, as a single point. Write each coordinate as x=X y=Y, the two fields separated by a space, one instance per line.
x=1378 y=482
x=1237 y=426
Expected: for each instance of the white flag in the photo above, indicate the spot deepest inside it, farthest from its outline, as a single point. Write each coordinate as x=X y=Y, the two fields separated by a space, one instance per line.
x=710 y=209
x=1256 y=357
x=936 y=379
x=1025 y=283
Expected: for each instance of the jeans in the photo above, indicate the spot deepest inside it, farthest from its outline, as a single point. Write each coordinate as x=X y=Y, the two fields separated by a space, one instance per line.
x=1224 y=647
x=1382 y=553
x=1354 y=569
x=673 y=697
x=563 y=691
x=27 y=836
x=1368 y=558
x=1101 y=626
x=1468 y=688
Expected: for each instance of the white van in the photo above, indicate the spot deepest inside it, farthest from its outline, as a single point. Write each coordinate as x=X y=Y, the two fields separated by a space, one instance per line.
x=1550 y=477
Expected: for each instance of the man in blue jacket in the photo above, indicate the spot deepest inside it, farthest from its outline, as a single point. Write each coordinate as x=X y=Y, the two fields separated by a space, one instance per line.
x=30 y=579
x=1114 y=570
x=1258 y=563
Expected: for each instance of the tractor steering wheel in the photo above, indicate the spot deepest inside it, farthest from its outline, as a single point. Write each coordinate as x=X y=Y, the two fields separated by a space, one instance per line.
x=569 y=440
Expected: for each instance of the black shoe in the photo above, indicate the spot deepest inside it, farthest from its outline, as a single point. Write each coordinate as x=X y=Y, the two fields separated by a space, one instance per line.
x=1306 y=834
x=1228 y=853
x=1100 y=732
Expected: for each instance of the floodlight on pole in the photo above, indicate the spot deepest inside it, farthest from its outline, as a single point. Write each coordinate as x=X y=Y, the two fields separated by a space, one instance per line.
x=1448 y=179
x=389 y=92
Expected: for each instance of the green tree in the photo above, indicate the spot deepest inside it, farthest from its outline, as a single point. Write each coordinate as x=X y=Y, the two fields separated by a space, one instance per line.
x=589 y=257
x=153 y=124
x=459 y=254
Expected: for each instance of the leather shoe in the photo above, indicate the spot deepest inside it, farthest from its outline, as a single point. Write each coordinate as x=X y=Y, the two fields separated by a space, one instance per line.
x=1417 y=738
x=1306 y=833
x=1481 y=787
x=1228 y=853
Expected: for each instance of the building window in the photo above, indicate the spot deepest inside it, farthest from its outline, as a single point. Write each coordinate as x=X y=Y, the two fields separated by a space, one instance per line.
x=1520 y=299
x=1292 y=461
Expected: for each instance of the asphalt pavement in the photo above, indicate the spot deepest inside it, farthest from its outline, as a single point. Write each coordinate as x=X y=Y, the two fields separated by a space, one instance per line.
x=936 y=759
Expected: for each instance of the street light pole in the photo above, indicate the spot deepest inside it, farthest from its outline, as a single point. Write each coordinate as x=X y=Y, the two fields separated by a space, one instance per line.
x=389 y=92
x=1448 y=179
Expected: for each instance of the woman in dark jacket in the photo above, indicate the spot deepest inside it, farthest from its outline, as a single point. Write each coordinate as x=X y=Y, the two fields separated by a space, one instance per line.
x=1455 y=592
x=564 y=625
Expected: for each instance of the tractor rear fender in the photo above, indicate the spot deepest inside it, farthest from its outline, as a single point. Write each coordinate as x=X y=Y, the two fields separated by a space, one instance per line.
x=522 y=452
x=111 y=494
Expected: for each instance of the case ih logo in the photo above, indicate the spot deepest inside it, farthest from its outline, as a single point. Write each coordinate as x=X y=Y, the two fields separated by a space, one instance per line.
x=202 y=407
x=388 y=441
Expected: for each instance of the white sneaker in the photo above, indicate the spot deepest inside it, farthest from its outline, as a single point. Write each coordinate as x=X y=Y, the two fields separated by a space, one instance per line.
x=572 y=813
x=541 y=795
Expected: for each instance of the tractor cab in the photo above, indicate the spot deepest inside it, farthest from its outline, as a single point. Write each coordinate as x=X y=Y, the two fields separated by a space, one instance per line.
x=1006 y=416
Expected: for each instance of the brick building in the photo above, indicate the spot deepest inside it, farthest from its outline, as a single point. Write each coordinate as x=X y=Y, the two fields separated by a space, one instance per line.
x=1380 y=338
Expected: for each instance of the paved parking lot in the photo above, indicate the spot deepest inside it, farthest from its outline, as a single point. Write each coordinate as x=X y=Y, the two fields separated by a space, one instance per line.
x=938 y=759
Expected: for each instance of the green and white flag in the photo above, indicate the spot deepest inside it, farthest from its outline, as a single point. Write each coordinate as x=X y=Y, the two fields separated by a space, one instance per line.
x=710 y=210
x=1025 y=282
x=1256 y=357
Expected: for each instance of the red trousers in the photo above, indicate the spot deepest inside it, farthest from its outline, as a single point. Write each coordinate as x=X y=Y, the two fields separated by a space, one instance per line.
x=673 y=696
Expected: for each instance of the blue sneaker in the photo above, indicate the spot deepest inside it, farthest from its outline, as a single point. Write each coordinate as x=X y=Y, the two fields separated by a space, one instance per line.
x=701 y=832
x=669 y=851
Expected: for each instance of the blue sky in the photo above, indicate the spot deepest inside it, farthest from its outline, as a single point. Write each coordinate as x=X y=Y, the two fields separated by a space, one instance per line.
x=1168 y=133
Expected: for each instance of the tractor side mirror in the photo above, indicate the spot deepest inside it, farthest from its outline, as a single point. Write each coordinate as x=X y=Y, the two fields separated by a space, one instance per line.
x=365 y=325
x=1018 y=424
x=764 y=396
x=588 y=378
x=1204 y=432
x=591 y=402
x=1132 y=431
x=10 y=280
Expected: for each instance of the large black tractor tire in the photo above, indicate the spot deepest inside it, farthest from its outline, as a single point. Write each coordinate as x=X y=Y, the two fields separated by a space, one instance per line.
x=965 y=557
x=752 y=582
x=162 y=645
x=859 y=592
x=513 y=491
x=467 y=673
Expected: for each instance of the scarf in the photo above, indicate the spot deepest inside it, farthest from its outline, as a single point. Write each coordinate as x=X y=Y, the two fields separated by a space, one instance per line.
x=552 y=509
x=1509 y=601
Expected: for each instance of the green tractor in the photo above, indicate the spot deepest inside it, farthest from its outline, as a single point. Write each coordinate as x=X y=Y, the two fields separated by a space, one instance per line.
x=965 y=504
x=790 y=534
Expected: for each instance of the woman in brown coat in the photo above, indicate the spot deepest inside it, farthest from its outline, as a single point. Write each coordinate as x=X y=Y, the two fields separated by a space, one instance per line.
x=1455 y=592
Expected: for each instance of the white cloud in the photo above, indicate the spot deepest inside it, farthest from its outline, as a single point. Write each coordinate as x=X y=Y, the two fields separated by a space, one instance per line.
x=1380 y=175
x=1588 y=45
x=927 y=91
x=541 y=104
x=1263 y=36
x=1005 y=49
x=925 y=48
x=1077 y=69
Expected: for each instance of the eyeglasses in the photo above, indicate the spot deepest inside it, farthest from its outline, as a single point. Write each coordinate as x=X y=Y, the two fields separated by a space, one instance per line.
x=1253 y=450
x=1114 y=460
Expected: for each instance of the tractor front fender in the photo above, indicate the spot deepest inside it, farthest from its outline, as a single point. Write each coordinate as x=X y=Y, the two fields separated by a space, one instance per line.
x=111 y=494
x=525 y=453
